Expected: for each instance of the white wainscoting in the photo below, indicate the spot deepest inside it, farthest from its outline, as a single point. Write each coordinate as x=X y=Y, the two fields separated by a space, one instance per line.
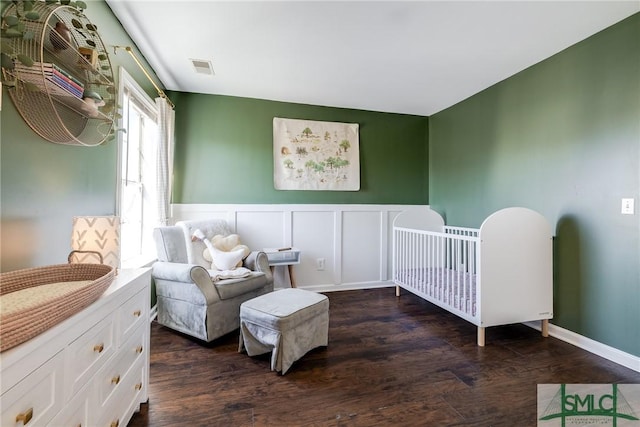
x=354 y=240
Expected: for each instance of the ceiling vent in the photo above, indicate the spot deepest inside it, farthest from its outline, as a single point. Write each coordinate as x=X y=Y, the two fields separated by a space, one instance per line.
x=202 y=66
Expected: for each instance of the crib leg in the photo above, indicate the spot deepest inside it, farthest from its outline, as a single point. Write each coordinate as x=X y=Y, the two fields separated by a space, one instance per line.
x=545 y=327
x=480 y=336
x=397 y=290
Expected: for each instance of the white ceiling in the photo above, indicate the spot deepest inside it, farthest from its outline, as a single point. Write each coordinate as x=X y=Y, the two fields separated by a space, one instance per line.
x=415 y=57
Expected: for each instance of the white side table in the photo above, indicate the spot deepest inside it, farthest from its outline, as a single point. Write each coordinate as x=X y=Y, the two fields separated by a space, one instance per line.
x=283 y=257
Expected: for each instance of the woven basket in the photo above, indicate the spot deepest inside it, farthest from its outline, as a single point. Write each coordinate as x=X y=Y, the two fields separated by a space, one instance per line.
x=19 y=327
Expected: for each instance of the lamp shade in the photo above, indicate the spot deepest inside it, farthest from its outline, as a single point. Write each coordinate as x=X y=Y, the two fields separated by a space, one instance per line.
x=96 y=237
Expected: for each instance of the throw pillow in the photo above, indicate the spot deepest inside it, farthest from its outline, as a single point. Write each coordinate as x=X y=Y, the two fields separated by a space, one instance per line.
x=225 y=243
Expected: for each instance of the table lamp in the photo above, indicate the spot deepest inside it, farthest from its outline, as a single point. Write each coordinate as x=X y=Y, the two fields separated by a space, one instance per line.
x=95 y=240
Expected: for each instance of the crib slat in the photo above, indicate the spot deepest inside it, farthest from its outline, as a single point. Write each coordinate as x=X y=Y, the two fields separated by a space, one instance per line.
x=422 y=253
x=420 y=273
x=432 y=268
x=450 y=270
x=433 y=290
x=440 y=272
x=466 y=276
x=459 y=266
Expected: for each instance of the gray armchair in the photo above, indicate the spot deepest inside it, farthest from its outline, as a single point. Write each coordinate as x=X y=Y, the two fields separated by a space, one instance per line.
x=189 y=301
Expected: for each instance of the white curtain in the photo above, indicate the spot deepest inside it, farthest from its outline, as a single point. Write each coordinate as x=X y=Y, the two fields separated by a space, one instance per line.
x=166 y=119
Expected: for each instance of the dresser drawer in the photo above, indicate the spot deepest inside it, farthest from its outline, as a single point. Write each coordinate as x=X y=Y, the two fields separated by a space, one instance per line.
x=77 y=412
x=120 y=408
x=37 y=398
x=133 y=313
x=87 y=354
x=111 y=378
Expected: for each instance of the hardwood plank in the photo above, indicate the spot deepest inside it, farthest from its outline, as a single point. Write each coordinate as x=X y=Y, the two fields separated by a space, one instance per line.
x=390 y=361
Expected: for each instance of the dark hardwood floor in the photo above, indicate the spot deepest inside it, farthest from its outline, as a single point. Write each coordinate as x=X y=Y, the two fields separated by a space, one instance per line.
x=390 y=362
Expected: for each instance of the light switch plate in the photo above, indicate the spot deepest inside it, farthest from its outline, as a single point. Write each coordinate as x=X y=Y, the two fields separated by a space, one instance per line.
x=627 y=206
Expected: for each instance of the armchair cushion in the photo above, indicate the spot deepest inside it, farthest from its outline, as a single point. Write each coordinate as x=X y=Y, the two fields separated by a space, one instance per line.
x=230 y=288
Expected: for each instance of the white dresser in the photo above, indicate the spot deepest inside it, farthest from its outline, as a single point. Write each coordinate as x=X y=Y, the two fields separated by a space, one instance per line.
x=90 y=370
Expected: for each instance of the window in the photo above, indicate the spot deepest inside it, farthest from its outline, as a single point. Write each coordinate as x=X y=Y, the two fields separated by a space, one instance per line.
x=137 y=195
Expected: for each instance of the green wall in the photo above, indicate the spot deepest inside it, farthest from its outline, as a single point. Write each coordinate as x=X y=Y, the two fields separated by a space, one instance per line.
x=43 y=185
x=563 y=138
x=224 y=152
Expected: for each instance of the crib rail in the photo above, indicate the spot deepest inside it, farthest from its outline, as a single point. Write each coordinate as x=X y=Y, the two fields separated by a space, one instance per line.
x=441 y=267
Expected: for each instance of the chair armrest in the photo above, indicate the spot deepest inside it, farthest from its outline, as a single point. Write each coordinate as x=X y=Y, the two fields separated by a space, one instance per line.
x=173 y=271
x=202 y=279
x=258 y=261
x=186 y=273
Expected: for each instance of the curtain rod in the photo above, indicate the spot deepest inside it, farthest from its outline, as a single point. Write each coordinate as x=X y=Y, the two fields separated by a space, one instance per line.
x=135 y=58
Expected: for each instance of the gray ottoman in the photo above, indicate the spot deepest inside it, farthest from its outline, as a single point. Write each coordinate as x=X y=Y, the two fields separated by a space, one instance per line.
x=287 y=322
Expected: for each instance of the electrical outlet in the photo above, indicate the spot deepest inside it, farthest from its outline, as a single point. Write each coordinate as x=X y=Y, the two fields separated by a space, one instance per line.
x=627 y=206
x=320 y=264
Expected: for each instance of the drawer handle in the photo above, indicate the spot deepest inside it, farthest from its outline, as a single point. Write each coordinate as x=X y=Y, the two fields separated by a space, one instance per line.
x=139 y=349
x=115 y=423
x=137 y=313
x=139 y=386
x=115 y=380
x=25 y=416
x=98 y=348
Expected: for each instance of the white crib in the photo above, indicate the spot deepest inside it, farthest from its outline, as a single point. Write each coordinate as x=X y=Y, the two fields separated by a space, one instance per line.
x=499 y=274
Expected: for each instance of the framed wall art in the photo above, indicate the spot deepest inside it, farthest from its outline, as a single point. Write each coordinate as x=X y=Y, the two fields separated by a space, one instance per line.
x=313 y=155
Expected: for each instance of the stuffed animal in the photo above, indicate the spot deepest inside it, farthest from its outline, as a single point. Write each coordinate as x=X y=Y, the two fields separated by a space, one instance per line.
x=224 y=253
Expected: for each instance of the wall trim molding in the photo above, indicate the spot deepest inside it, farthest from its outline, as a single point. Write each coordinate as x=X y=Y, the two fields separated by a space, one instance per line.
x=180 y=209
x=599 y=349
x=348 y=287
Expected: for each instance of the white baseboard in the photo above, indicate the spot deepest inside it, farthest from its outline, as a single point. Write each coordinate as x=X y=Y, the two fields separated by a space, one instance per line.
x=610 y=353
x=347 y=287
